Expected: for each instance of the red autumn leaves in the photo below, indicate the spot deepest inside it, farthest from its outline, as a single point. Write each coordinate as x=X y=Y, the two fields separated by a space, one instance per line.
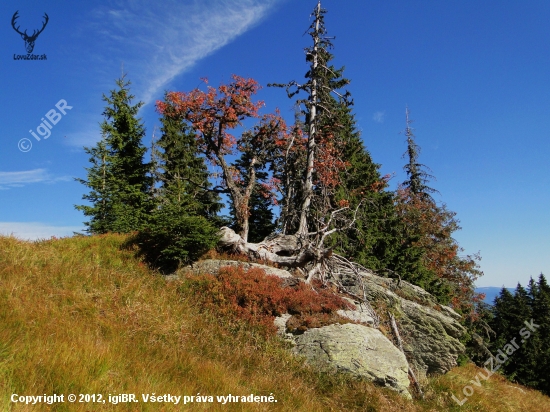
x=215 y=114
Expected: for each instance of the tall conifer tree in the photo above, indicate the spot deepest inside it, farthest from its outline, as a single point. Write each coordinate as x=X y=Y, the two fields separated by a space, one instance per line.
x=429 y=255
x=182 y=225
x=118 y=178
x=323 y=160
x=418 y=178
x=183 y=172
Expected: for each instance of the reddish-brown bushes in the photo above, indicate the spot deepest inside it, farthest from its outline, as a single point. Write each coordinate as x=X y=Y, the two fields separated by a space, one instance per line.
x=253 y=296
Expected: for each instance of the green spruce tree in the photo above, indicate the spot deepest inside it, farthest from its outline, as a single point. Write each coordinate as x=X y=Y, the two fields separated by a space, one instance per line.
x=521 y=367
x=504 y=322
x=118 y=179
x=183 y=224
x=182 y=172
x=99 y=181
x=371 y=241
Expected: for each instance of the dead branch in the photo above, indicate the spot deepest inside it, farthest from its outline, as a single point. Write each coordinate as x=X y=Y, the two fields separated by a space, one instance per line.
x=400 y=346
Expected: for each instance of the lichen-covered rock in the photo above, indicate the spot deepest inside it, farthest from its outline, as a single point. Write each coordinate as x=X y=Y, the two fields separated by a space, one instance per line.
x=431 y=338
x=356 y=349
x=361 y=314
x=213 y=266
x=430 y=331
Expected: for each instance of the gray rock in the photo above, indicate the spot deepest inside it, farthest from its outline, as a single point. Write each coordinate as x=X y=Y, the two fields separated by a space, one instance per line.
x=430 y=338
x=359 y=350
x=213 y=266
x=430 y=331
x=280 y=324
x=360 y=314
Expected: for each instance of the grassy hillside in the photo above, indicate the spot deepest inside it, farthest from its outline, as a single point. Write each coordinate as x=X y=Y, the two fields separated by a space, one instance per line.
x=83 y=315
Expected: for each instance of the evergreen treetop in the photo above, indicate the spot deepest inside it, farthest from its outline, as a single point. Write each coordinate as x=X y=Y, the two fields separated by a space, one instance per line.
x=418 y=178
x=118 y=178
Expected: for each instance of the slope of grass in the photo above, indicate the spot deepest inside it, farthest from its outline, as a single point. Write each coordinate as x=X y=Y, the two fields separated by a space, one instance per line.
x=82 y=315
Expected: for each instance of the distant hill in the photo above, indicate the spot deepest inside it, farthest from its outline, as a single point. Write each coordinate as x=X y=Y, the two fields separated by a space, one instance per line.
x=491 y=292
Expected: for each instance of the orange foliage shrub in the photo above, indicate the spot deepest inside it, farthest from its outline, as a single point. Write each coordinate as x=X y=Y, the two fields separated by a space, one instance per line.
x=258 y=298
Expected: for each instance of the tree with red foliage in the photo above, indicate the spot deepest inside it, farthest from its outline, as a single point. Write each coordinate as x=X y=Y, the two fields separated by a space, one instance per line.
x=431 y=228
x=213 y=115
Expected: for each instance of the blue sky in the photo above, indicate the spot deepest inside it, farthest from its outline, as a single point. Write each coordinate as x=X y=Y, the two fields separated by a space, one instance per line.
x=473 y=74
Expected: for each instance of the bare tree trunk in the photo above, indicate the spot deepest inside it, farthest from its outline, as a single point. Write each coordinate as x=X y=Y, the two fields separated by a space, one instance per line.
x=285 y=250
x=308 y=183
x=240 y=199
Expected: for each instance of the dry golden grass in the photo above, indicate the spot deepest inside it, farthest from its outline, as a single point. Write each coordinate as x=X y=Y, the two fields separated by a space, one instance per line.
x=81 y=315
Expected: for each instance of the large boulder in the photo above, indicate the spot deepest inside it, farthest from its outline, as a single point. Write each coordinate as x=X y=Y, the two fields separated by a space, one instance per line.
x=356 y=349
x=430 y=331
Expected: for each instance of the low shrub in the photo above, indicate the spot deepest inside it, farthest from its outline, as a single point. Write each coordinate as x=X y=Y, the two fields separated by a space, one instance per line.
x=172 y=238
x=258 y=298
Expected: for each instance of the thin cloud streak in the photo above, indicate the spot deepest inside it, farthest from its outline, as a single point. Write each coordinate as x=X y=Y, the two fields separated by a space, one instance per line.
x=379 y=117
x=157 y=44
x=22 y=178
x=167 y=41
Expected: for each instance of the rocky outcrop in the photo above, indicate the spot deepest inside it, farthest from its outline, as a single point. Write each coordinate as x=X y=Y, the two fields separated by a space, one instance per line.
x=356 y=349
x=430 y=331
x=361 y=314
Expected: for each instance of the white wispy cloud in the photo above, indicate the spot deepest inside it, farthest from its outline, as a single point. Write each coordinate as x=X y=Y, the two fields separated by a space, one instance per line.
x=157 y=44
x=36 y=230
x=164 y=42
x=379 y=117
x=25 y=177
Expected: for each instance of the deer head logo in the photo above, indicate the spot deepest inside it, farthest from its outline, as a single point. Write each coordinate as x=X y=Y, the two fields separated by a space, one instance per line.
x=29 y=40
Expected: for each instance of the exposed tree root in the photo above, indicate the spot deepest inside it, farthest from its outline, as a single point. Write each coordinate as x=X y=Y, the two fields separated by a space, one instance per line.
x=291 y=251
